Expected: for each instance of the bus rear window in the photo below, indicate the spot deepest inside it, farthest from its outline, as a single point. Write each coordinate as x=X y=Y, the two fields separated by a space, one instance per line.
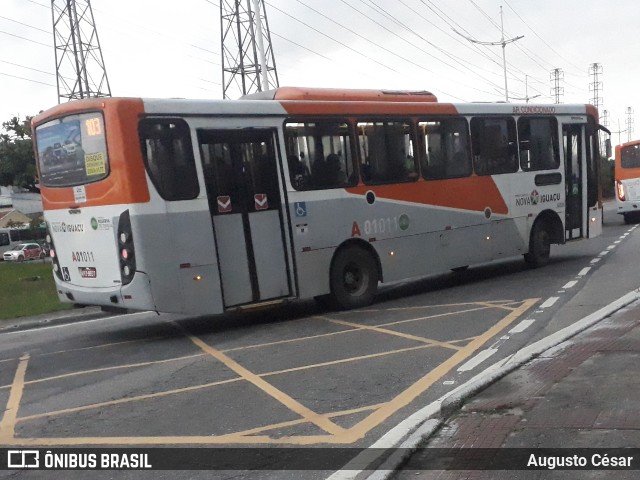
x=630 y=156
x=72 y=150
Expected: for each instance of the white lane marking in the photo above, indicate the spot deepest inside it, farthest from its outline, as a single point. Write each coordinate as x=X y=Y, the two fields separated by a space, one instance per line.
x=616 y=242
x=570 y=284
x=611 y=247
x=522 y=326
x=550 y=301
x=595 y=260
x=584 y=271
x=477 y=360
x=603 y=253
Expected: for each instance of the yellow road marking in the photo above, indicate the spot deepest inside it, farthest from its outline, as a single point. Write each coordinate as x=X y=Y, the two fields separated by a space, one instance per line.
x=291 y=340
x=419 y=307
x=431 y=317
x=127 y=400
x=266 y=387
x=346 y=360
x=201 y=386
x=338 y=435
x=8 y=423
x=408 y=395
x=392 y=332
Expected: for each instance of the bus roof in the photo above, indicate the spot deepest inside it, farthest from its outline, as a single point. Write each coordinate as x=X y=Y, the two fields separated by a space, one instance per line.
x=342 y=95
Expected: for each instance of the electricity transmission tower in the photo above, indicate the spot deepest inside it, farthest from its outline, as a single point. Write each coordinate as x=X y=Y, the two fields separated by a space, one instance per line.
x=595 y=87
x=248 y=62
x=557 y=75
x=80 y=69
x=629 y=123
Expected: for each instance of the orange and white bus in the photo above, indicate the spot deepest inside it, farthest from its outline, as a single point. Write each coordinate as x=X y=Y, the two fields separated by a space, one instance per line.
x=201 y=207
x=627 y=175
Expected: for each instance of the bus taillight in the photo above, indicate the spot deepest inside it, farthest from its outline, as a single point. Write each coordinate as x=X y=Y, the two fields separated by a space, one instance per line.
x=620 y=190
x=52 y=253
x=126 y=249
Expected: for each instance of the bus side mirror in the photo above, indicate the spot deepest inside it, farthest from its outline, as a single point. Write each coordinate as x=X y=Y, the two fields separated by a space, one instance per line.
x=607 y=147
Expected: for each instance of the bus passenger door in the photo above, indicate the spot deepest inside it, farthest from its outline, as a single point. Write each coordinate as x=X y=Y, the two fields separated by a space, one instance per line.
x=573 y=144
x=240 y=173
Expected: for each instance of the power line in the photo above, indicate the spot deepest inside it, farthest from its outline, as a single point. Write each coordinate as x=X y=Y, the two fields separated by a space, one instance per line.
x=332 y=39
x=27 y=79
x=542 y=39
x=457 y=60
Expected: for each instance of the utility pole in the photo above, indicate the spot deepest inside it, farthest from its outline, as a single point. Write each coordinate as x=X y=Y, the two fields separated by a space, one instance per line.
x=629 y=123
x=80 y=70
x=503 y=43
x=248 y=62
x=557 y=75
x=605 y=118
x=619 y=132
x=526 y=91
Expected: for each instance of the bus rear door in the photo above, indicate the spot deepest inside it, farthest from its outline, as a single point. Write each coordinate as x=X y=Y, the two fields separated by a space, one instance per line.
x=241 y=176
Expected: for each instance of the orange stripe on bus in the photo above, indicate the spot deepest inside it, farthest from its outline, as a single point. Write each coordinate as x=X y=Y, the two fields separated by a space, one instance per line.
x=372 y=109
x=126 y=182
x=470 y=193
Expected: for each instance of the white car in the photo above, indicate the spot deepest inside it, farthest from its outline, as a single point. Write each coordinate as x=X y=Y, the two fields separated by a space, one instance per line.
x=24 y=251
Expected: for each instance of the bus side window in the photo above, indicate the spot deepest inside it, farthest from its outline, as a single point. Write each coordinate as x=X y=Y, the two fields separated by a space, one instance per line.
x=387 y=151
x=538 y=145
x=447 y=148
x=319 y=155
x=4 y=239
x=168 y=157
x=494 y=145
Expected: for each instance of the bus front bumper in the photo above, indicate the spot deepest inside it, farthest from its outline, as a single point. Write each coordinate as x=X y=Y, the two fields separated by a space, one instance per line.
x=134 y=296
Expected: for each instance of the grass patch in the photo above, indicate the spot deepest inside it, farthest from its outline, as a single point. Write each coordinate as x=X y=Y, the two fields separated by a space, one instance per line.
x=27 y=289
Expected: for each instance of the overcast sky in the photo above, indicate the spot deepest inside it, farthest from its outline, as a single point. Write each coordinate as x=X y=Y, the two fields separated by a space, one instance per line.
x=158 y=48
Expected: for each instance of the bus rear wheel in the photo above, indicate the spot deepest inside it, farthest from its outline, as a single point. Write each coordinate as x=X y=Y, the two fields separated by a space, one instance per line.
x=539 y=246
x=353 y=278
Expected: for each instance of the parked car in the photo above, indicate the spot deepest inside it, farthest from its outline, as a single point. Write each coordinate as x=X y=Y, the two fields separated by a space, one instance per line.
x=24 y=251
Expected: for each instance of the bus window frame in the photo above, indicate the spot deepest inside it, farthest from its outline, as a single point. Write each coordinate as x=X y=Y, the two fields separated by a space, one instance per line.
x=422 y=145
x=555 y=139
x=511 y=122
x=78 y=114
x=413 y=138
x=352 y=180
x=185 y=129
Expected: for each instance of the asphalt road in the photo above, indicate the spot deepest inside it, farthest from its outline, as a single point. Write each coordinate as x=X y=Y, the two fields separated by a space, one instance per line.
x=298 y=376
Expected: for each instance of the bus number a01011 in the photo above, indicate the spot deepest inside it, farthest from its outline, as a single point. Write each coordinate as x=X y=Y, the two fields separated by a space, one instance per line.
x=386 y=225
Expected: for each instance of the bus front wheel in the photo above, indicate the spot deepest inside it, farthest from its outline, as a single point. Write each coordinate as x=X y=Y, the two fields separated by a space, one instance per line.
x=539 y=246
x=353 y=278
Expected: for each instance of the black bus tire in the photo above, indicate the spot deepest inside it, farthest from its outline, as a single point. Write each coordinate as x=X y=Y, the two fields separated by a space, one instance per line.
x=539 y=246
x=353 y=278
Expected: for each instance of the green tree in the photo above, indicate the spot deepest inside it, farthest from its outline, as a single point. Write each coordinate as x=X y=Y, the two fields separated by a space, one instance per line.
x=17 y=161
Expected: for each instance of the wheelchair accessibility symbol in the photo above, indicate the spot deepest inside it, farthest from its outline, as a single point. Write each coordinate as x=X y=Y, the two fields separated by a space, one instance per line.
x=301 y=209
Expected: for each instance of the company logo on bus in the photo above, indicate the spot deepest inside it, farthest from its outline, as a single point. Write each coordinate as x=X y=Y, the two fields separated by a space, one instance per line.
x=535 y=198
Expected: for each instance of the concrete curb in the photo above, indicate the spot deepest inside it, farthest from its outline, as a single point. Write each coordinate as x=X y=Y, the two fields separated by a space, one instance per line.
x=409 y=434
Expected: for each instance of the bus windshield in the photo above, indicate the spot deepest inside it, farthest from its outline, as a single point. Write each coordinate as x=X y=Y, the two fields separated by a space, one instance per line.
x=630 y=156
x=72 y=150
